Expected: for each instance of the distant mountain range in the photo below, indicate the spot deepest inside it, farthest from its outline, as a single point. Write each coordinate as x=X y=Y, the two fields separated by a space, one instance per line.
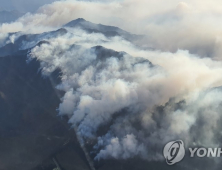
x=89 y=27
x=9 y=16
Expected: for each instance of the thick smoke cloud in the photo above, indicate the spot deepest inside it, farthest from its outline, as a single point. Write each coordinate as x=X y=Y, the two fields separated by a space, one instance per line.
x=124 y=92
x=163 y=87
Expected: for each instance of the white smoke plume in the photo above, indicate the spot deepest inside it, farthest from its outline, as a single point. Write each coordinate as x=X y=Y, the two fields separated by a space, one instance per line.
x=133 y=101
x=122 y=91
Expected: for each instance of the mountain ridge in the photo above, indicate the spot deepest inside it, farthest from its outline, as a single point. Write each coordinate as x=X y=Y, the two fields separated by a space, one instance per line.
x=109 y=31
x=34 y=39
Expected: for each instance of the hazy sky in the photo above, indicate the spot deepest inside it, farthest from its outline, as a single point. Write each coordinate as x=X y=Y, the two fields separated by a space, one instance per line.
x=30 y=5
x=23 y=5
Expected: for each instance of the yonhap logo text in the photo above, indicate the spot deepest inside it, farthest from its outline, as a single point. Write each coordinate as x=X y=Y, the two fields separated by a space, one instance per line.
x=175 y=151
